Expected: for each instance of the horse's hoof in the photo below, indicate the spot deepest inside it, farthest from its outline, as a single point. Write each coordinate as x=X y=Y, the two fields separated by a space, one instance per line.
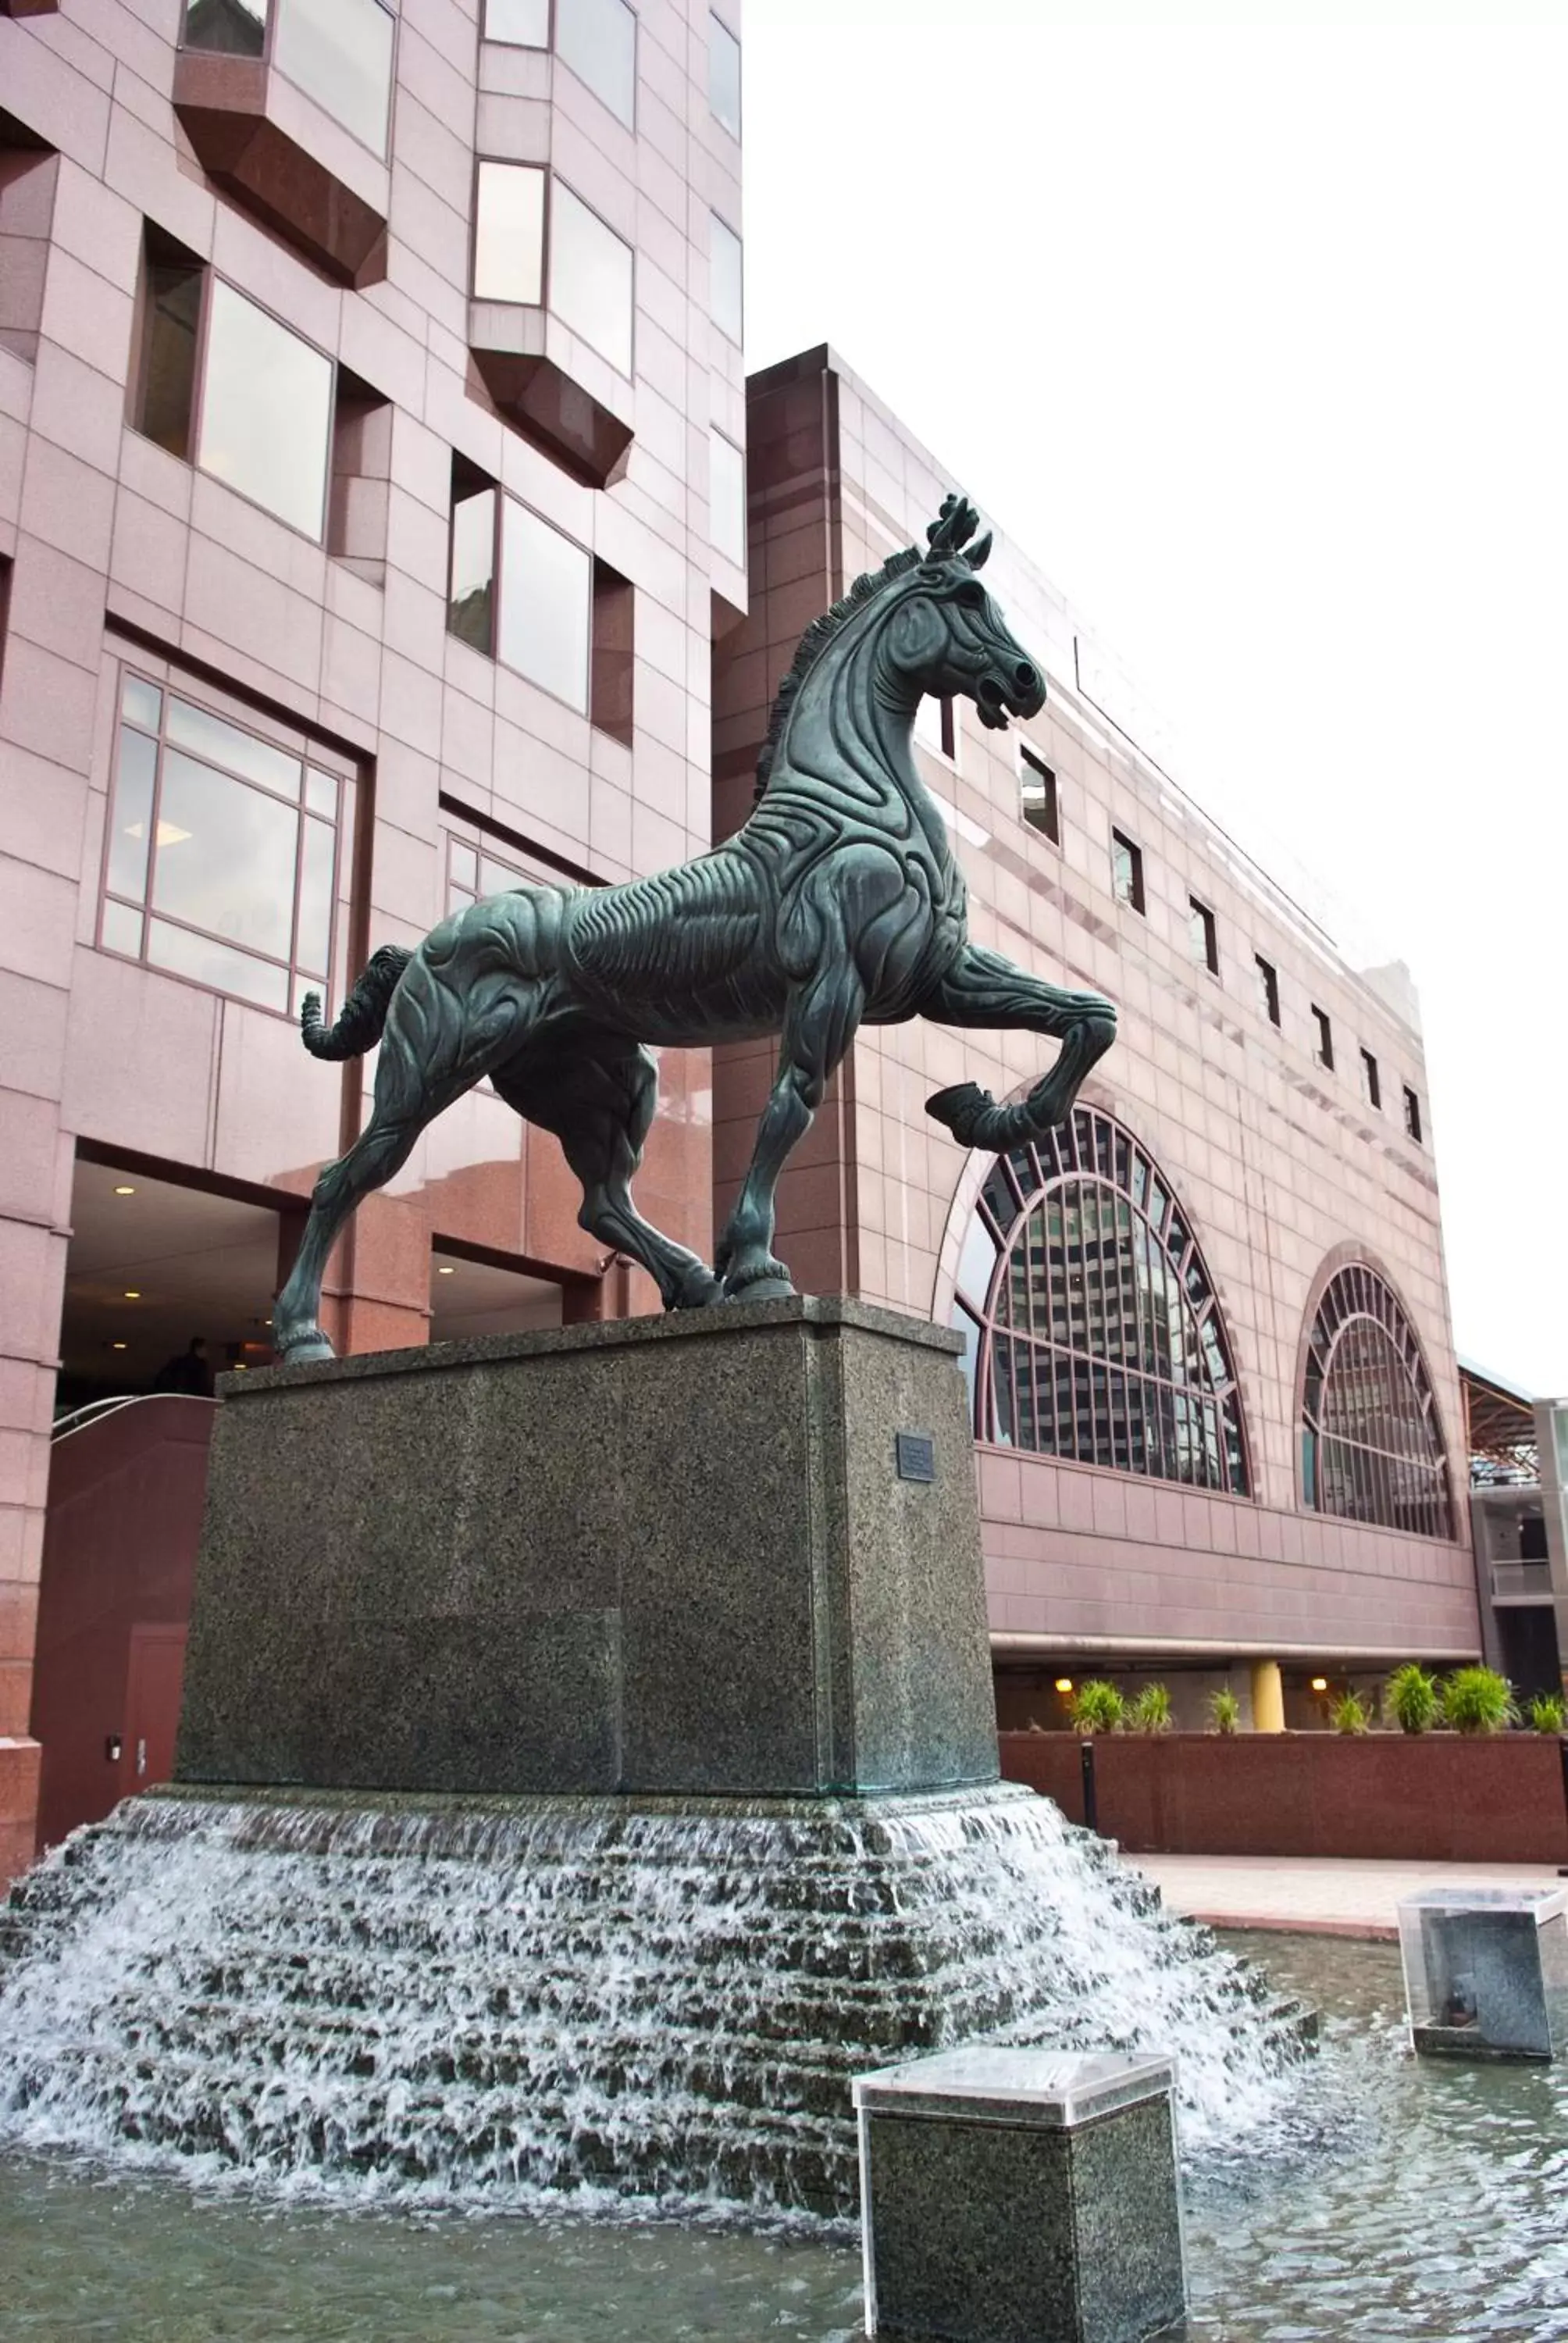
x=765 y=1281
x=304 y=1350
x=963 y=1109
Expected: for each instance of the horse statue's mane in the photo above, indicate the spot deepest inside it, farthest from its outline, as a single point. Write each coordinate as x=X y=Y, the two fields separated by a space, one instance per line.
x=956 y=524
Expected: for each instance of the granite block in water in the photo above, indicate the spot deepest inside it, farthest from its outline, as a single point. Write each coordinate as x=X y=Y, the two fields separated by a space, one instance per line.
x=663 y=1554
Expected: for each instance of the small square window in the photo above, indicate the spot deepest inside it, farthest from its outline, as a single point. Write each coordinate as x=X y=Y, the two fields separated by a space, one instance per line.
x=1323 y=1053
x=1370 y=1082
x=1412 y=1115
x=1205 y=939
x=1037 y=795
x=724 y=75
x=1268 y=989
x=1127 y=870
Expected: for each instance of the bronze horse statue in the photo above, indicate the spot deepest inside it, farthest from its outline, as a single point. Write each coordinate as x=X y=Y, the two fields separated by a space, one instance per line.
x=838 y=904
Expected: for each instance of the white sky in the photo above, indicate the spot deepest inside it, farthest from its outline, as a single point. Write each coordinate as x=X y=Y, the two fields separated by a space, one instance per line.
x=1253 y=336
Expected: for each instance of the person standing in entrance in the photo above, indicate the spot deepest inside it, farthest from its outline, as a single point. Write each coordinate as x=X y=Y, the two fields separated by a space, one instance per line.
x=187 y=1372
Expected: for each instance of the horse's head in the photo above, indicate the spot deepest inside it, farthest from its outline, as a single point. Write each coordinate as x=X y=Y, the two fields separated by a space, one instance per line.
x=947 y=636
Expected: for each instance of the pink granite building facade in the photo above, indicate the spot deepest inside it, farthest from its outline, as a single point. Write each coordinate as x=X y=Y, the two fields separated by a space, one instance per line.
x=372 y=424
x=1216 y=1404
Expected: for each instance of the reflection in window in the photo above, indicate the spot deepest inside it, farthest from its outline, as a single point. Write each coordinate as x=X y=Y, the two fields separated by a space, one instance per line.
x=1268 y=989
x=1203 y=936
x=590 y=277
x=1097 y=1333
x=1127 y=871
x=1412 y=1115
x=471 y=582
x=724 y=75
x=472 y=874
x=509 y=234
x=545 y=601
x=267 y=411
x=525 y=23
x=724 y=296
x=234 y=28
x=223 y=851
x=727 y=499
x=1037 y=795
x=172 y=281
x=597 y=39
x=339 y=52
x=1371 y=1444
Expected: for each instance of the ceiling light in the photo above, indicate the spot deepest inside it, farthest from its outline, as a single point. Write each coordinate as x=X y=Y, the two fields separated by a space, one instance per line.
x=132 y=1293
x=446 y=1270
x=124 y=1192
x=1064 y=1684
x=1319 y=1683
x=117 y=1346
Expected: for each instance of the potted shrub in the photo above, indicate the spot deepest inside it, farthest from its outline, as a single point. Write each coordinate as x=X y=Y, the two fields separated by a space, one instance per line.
x=1411 y=1698
x=1097 y=1707
x=1349 y=1714
x=1224 y=1710
x=1546 y=1713
x=1477 y=1700
x=1151 y=1712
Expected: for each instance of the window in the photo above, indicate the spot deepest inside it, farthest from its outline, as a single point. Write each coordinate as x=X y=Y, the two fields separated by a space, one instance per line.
x=1370 y=1082
x=475 y=869
x=29 y=174
x=1412 y=1115
x=936 y=725
x=265 y=410
x=725 y=299
x=6 y=620
x=590 y=269
x=590 y=277
x=1323 y=1054
x=339 y=52
x=1127 y=870
x=1204 y=936
x=509 y=234
x=727 y=499
x=546 y=598
x=265 y=419
x=223 y=851
x=519 y=591
x=1037 y=795
x=1268 y=988
x=1091 y=1323
x=724 y=75
x=525 y=23
x=597 y=39
x=361 y=469
x=1372 y=1443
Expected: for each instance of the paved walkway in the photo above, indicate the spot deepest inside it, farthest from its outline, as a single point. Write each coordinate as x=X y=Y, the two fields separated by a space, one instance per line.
x=1310 y=1895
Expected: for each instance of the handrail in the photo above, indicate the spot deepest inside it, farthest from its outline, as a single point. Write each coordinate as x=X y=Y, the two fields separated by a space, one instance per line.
x=95 y=1410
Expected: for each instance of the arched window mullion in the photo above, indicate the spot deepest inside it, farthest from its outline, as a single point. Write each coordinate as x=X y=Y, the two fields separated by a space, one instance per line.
x=1371 y=1439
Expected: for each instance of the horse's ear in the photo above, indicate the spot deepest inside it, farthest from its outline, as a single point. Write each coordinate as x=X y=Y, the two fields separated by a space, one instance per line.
x=953 y=528
x=977 y=555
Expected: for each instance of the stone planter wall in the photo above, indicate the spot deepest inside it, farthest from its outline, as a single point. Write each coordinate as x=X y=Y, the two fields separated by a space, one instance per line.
x=1433 y=1797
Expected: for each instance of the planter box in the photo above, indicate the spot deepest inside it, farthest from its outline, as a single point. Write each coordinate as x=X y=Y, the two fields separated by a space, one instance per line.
x=1435 y=1797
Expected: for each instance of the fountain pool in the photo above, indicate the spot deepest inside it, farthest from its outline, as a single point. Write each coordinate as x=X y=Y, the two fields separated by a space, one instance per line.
x=1394 y=2201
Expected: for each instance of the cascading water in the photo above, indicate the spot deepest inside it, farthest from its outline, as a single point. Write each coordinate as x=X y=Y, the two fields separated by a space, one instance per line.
x=458 y=2002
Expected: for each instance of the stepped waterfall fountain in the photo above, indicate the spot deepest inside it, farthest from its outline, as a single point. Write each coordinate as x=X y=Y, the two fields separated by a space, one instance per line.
x=588 y=1763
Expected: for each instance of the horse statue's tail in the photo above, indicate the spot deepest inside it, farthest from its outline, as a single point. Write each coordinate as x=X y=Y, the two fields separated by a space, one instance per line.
x=363 y=1014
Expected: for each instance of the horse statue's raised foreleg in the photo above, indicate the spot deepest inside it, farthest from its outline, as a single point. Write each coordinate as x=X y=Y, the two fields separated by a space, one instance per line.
x=819 y=1027
x=982 y=988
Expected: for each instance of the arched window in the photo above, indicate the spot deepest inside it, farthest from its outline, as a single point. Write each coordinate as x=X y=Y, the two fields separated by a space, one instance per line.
x=1092 y=1329
x=1371 y=1445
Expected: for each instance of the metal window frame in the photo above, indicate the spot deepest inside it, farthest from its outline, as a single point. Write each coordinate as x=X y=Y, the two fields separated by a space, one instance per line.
x=269 y=35
x=552 y=179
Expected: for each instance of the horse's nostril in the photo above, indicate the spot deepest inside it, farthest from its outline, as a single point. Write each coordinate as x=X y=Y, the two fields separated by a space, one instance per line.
x=1027 y=679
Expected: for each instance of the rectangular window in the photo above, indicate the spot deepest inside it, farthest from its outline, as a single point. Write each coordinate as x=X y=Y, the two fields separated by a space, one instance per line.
x=265 y=410
x=727 y=499
x=223 y=851
x=546 y=599
x=29 y=174
x=509 y=234
x=597 y=39
x=725 y=300
x=1324 y=1052
x=1412 y=1115
x=613 y=655
x=936 y=727
x=1127 y=870
x=339 y=52
x=170 y=302
x=1037 y=795
x=1268 y=989
x=1203 y=934
x=524 y=23
x=471 y=568
x=361 y=476
x=590 y=277
x=1370 y=1082
x=5 y=621
x=234 y=28
x=724 y=75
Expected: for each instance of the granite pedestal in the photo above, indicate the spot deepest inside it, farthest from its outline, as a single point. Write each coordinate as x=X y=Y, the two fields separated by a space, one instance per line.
x=727 y=1552
x=1014 y=2196
x=1486 y=1971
